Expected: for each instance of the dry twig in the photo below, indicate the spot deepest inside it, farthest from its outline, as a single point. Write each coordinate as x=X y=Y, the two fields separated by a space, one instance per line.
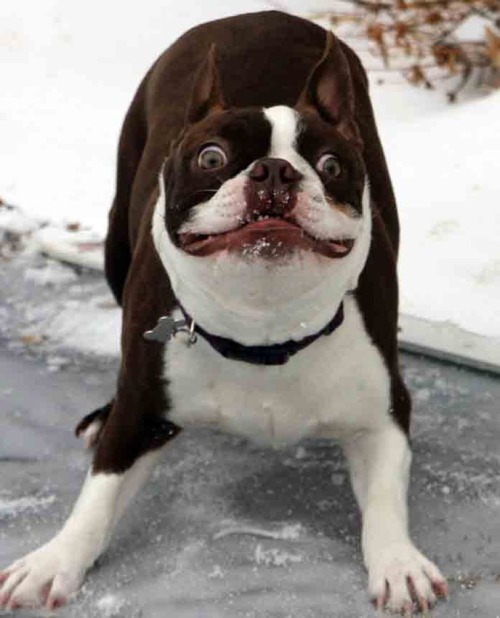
x=426 y=40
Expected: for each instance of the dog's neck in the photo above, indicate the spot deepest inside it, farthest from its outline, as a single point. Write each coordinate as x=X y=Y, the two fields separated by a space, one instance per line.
x=255 y=302
x=276 y=354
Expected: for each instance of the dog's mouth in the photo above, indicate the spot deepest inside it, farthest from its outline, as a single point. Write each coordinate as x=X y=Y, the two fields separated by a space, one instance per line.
x=267 y=237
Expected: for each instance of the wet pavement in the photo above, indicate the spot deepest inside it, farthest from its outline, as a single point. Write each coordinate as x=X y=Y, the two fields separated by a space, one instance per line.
x=225 y=529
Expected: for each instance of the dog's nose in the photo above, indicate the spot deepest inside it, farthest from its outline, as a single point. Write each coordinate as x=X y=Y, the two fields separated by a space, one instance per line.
x=275 y=173
x=271 y=190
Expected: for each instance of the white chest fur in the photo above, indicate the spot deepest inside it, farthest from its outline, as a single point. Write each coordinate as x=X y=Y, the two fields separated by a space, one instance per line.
x=336 y=386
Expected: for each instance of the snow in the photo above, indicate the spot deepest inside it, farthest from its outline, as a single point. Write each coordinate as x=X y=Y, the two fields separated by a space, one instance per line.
x=48 y=304
x=91 y=325
x=110 y=606
x=16 y=221
x=288 y=531
x=472 y=28
x=67 y=79
x=13 y=506
x=295 y=547
x=275 y=557
x=82 y=247
x=444 y=177
x=52 y=273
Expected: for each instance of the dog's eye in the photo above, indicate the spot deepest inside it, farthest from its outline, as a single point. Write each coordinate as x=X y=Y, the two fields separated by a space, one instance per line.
x=212 y=158
x=329 y=164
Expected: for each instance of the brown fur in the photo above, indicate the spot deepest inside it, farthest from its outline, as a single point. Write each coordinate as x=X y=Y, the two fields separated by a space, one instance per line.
x=263 y=60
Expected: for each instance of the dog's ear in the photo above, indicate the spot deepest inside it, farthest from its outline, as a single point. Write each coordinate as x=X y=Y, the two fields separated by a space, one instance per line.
x=329 y=90
x=206 y=95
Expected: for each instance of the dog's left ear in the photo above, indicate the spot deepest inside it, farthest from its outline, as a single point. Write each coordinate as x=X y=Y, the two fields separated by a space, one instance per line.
x=206 y=95
x=329 y=90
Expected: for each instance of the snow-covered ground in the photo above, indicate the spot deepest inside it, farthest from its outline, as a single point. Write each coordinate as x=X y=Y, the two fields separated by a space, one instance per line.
x=52 y=308
x=69 y=70
x=445 y=168
x=228 y=530
x=225 y=529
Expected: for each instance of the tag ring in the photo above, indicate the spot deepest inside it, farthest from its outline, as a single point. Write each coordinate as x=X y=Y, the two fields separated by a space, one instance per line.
x=193 y=337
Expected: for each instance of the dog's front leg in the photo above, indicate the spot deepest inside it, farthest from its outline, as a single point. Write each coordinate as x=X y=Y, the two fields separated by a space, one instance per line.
x=55 y=571
x=128 y=436
x=398 y=573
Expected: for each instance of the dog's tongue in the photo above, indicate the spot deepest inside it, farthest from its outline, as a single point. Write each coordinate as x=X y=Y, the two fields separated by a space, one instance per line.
x=256 y=235
x=266 y=237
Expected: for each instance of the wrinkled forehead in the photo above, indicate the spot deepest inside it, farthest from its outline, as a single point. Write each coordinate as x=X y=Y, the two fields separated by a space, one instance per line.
x=272 y=129
x=240 y=129
x=280 y=131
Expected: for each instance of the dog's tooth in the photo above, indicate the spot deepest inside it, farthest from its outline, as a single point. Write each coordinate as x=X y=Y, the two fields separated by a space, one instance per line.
x=339 y=248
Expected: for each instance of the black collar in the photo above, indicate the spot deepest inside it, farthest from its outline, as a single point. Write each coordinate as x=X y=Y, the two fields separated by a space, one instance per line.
x=276 y=354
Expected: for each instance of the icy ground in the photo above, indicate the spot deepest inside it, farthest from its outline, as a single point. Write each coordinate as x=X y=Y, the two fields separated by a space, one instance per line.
x=224 y=529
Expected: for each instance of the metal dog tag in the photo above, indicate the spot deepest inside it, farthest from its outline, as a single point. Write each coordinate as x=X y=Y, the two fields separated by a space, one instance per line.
x=167 y=328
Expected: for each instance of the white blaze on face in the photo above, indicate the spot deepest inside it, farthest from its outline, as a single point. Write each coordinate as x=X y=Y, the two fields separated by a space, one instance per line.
x=261 y=301
x=284 y=121
x=313 y=212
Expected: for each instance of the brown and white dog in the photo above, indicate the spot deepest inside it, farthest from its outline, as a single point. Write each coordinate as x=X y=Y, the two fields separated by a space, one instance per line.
x=254 y=207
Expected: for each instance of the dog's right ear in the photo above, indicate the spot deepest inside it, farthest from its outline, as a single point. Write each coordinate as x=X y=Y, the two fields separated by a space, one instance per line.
x=329 y=90
x=206 y=95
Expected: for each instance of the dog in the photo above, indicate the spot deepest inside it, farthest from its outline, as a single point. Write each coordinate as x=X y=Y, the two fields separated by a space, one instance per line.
x=252 y=244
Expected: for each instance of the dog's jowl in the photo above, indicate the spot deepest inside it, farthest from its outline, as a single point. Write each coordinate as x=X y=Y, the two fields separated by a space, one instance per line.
x=252 y=244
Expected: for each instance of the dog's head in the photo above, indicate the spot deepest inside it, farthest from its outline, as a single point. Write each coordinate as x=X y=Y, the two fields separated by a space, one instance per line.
x=269 y=205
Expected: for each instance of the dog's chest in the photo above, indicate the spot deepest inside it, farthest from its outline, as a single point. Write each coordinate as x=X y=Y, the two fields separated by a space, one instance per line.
x=336 y=386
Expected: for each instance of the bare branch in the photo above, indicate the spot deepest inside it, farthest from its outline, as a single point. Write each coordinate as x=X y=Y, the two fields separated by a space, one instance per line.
x=418 y=38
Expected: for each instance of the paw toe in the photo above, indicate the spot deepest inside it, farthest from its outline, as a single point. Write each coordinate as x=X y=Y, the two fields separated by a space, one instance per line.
x=411 y=581
x=10 y=584
x=435 y=576
x=54 y=602
x=440 y=587
x=44 y=577
x=399 y=596
x=421 y=589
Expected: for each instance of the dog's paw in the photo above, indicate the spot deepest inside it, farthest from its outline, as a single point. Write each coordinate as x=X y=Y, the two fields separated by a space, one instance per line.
x=46 y=577
x=400 y=578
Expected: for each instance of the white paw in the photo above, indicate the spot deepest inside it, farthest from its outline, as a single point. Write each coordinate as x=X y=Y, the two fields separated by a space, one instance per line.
x=400 y=577
x=47 y=576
